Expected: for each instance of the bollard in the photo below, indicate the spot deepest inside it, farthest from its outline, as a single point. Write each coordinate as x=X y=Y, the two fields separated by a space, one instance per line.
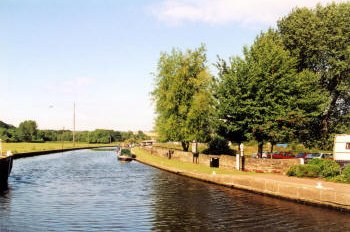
x=238 y=162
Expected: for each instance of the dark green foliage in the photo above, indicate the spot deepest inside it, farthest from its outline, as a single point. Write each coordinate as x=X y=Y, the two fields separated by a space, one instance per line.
x=316 y=168
x=346 y=173
x=307 y=170
x=5 y=125
x=262 y=96
x=126 y=152
x=320 y=40
x=292 y=170
x=329 y=168
x=27 y=131
x=218 y=146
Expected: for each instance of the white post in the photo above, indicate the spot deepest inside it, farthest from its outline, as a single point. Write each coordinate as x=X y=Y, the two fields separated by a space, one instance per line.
x=241 y=146
x=194 y=146
x=238 y=161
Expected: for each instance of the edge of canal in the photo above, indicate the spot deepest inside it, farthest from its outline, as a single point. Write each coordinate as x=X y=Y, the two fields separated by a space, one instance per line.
x=287 y=190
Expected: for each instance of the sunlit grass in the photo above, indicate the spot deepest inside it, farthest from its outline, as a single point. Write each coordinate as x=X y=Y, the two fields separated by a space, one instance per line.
x=48 y=146
x=249 y=148
x=147 y=157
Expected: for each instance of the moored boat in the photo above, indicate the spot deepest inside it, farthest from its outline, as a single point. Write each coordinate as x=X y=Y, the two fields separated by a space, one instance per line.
x=124 y=155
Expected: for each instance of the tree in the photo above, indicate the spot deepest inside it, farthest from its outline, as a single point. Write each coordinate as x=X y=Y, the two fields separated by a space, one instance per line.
x=263 y=96
x=182 y=96
x=320 y=39
x=27 y=131
x=231 y=94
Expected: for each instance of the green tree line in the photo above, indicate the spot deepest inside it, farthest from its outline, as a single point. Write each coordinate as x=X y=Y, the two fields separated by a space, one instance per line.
x=28 y=131
x=291 y=85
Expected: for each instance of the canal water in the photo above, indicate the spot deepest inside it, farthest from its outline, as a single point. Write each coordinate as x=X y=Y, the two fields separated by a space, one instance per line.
x=91 y=191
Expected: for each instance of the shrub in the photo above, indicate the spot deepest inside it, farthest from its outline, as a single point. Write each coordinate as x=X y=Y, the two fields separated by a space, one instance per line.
x=307 y=170
x=125 y=152
x=328 y=168
x=346 y=173
x=338 y=179
x=292 y=170
x=217 y=146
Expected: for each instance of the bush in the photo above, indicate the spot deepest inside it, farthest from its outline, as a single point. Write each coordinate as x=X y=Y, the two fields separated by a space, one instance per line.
x=125 y=152
x=320 y=168
x=346 y=173
x=217 y=146
x=292 y=170
x=338 y=179
x=308 y=170
x=329 y=168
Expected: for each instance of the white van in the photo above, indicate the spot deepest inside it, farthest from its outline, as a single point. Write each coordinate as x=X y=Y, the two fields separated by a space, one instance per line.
x=341 y=148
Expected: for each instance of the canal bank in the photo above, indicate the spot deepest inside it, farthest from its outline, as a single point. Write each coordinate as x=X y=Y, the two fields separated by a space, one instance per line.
x=310 y=191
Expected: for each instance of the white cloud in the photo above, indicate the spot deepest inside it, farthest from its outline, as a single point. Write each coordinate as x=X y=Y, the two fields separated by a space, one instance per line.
x=245 y=12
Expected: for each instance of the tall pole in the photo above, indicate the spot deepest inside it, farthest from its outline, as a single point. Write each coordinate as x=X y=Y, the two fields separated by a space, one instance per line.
x=74 y=126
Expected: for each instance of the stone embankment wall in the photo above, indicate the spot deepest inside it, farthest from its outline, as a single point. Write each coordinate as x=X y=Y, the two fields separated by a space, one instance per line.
x=229 y=162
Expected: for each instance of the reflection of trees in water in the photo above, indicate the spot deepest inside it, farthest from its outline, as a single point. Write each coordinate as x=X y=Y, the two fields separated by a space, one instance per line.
x=185 y=204
x=179 y=205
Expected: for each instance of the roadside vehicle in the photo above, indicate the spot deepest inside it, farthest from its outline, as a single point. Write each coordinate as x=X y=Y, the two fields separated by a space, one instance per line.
x=265 y=154
x=281 y=155
x=328 y=156
x=301 y=155
x=314 y=156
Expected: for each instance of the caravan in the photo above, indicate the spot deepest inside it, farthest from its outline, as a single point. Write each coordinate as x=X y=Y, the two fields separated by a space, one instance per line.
x=341 y=148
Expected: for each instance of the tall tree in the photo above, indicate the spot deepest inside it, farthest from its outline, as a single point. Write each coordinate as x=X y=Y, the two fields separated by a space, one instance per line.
x=232 y=101
x=27 y=130
x=182 y=96
x=320 y=39
x=264 y=96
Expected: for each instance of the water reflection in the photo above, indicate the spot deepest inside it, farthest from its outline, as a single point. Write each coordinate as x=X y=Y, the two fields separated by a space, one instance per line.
x=92 y=191
x=186 y=204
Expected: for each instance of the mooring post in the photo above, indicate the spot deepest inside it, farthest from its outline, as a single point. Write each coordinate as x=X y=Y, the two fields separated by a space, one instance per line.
x=242 y=156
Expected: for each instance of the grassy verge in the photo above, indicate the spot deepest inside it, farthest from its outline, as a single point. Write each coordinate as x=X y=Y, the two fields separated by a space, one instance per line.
x=249 y=148
x=48 y=146
x=147 y=157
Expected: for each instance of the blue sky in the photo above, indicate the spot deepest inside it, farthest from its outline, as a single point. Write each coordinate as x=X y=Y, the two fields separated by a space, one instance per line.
x=101 y=53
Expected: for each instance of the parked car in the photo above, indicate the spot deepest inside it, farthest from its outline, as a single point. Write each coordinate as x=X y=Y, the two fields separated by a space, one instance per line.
x=314 y=156
x=283 y=155
x=265 y=154
x=301 y=155
x=328 y=156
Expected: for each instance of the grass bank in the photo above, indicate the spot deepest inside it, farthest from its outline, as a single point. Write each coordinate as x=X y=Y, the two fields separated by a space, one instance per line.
x=249 y=148
x=47 y=146
x=164 y=163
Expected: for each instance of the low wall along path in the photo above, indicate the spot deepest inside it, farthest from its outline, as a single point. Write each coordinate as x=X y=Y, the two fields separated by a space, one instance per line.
x=226 y=161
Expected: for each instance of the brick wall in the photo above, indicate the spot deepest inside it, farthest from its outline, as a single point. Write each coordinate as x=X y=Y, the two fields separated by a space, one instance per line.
x=229 y=162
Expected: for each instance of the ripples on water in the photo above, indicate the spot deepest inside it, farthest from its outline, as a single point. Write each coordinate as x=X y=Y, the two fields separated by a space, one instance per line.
x=92 y=191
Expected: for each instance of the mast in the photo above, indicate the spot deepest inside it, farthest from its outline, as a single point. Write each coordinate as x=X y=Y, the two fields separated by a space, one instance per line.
x=74 y=125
